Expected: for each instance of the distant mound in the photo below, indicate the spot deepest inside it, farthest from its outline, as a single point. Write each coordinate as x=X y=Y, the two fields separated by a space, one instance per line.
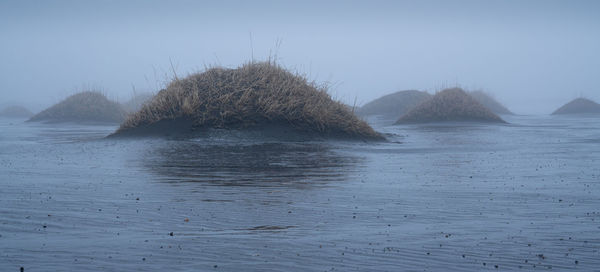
x=579 y=106
x=84 y=107
x=489 y=102
x=15 y=112
x=394 y=105
x=251 y=96
x=450 y=105
x=136 y=102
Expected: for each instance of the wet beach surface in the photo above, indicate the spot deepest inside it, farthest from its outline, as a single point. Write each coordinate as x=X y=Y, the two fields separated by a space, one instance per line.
x=518 y=196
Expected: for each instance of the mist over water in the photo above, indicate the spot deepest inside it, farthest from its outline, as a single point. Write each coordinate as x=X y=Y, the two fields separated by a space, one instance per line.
x=533 y=56
x=252 y=169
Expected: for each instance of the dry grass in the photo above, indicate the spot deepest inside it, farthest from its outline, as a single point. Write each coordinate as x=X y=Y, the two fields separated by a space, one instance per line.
x=15 y=111
x=87 y=106
x=450 y=105
x=254 y=94
x=489 y=102
x=394 y=105
x=579 y=105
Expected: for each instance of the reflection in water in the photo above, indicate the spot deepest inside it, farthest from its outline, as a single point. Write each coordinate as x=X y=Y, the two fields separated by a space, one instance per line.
x=268 y=164
x=464 y=135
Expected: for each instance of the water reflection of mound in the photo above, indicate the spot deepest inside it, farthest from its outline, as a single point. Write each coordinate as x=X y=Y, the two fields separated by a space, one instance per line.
x=262 y=164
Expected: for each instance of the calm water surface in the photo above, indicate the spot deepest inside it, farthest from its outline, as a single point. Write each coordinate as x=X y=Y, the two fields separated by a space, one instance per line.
x=521 y=196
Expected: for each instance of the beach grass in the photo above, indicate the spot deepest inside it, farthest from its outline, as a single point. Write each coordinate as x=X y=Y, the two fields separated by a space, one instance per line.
x=450 y=105
x=86 y=106
x=254 y=94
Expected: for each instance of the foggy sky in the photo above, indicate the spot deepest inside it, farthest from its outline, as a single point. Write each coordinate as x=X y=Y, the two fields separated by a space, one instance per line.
x=532 y=55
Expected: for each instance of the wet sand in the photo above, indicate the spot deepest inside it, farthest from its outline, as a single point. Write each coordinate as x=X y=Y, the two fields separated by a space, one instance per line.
x=522 y=195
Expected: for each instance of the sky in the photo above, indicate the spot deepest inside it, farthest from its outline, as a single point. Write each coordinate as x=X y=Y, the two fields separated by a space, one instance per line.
x=533 y=56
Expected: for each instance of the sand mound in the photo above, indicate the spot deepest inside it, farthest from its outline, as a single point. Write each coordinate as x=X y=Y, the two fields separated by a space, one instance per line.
x=84 y=107
x=579 y=106
x=450 y=105
x=137 y=101
x=489 y=102
x=394 y=105
x=15 y=112
x=253 y=95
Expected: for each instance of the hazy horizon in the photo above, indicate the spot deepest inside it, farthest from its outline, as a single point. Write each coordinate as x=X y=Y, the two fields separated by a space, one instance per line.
x=533 y=56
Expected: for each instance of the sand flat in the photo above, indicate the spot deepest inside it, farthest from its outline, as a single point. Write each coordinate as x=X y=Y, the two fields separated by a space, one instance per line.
x=436 y=197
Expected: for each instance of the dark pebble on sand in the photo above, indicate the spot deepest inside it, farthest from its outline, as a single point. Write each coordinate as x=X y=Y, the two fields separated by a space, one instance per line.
x=541 y=256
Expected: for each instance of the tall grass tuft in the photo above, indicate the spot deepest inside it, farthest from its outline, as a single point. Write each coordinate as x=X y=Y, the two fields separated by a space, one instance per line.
x=450 y=105
x=87 y=106
x=579 y=106
x=254 y=94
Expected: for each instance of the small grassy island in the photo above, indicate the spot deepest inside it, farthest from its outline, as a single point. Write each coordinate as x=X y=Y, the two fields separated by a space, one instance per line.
x=84 y=107
x=253 y=96
x=394 y=105
x=579 y=106
x=450 y=105
x=15 y=112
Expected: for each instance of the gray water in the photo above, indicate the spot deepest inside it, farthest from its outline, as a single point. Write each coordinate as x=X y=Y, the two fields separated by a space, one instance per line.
x=520 y=196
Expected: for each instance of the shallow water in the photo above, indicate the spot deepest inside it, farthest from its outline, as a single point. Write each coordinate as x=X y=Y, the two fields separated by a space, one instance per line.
x=435 y=198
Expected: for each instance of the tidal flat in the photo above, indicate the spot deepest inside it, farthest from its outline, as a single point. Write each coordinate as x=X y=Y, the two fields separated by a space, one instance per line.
x=469 y=197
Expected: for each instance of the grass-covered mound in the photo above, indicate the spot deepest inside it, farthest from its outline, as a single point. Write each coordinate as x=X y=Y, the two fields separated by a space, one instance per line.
x=15 y=112
x=137 y=101
x=84 y=107
x=251 y=96
x=394 y=105
x=450 y=105
x=490 y=102
x=579 y=106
